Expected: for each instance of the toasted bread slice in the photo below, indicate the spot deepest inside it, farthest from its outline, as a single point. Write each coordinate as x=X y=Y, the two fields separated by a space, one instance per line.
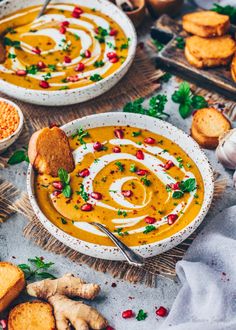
x=32 y=315
x=233 y=68
x=208 y=124
x=12 y=282
x=49 y=150
x=206 y=23
x=209 y=52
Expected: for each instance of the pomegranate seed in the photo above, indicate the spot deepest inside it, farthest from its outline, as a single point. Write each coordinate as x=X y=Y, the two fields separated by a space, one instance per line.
x=96 y=30
x=174 y=186
x=140 y=154
x=116 y=150
x=58 y=185
x=44 y=84
x=97 y=146
x=149 y=140
x=65 y=23
x=86 y=207
x=36 y=50
x=111 y=55
x=80 y=67
x=3 y=323
x=85 y=172
x=87 y=53
x=142 y=172
x=127 y=314
x=56 y=193
x=77 y=12
x=113 y=32
x=127 y=193
x=150 y=220
x=161 y=311
x=21 y=72
x=62 y=30
x=114 y=60
x=169 y=164
x=67 y=59
x=171 y=218
x=96 y=195
x=41 y=65
x=109 y=328
x=72 y=78
x=119 y=133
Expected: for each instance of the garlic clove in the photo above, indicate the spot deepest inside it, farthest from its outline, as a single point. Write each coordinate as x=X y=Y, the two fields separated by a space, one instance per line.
x=226 y=150
x=234 y=179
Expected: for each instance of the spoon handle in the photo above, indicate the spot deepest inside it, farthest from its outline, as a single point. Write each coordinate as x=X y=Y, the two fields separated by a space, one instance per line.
x=43 y=8
x=132 y=257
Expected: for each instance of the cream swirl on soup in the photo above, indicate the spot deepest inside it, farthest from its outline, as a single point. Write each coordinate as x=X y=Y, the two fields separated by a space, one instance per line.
x=68 y=47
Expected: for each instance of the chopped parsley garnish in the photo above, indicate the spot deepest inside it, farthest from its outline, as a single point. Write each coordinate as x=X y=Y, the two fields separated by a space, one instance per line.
x=10 y=30
x=180 y=161
x=99 y=64
x=125 y=45
x=76 y=36
x=133 y=168
x=40 y=270
x=33 y=69
x=226 y=10
x=120 y=233
x=148 y=229
x=141 y=315
x=180 y=42
x=134 y=134
x=11 y=55
x=81 y=134
x=64 y=88
x=188 y=185
x=166 y=77
x=76 y=207
x=63 y=221
x=83 y=193
x=120 y=166
x=52 y=67
x=101 y=34
x=177 y=194
x=47 y=76
x=12 y=43
x=145 y=181
x=159 y=45
x=95 y=77
x=65 y=179
x=124 y=213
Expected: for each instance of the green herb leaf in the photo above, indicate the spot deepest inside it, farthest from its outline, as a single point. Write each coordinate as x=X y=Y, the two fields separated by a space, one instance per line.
x=18 y=156
x=198 y=102
x=101 y=34
x=120 y=166
x=99 y=64
x=33 y=69
x=45 y=275
x=166 y=77
x=52 y=67
x=63 y=221
x=141 y=315
x=96 y=77
x=83 y=193
x=159 y=45
x=180 y=42
x=135 y=106
x=11 y=55
x=67 y=191
x=148 y=229
x=63 y=176
x=157 y=106
x=134 y=134
x=188 y=185
x=12 y=43
x=36 y=271
x=177 y=194
x=226 y=10
x=145 y=181
x=133 y=168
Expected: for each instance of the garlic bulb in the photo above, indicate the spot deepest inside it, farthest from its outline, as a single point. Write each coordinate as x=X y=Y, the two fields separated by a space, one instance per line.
x=226 y=150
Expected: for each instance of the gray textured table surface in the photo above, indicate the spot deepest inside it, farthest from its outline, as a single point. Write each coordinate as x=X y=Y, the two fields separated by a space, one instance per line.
x=112 y=300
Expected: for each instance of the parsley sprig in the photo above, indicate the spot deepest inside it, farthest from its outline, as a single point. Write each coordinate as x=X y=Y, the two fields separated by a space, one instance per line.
x=37 y=269
x=18 y=157
x=65 y=179
x=187 y=101
x=156 y=106
x=226 y=10
x=83 y=193
x=141 y=315
x=81 y=134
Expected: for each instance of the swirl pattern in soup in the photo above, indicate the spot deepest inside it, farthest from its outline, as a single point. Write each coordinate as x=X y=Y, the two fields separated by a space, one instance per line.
x=141 y=185
x=68 y=47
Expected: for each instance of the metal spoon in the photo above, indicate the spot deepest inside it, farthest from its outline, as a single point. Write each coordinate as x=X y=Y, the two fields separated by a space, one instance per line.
x=132 y=257
x=2 y=47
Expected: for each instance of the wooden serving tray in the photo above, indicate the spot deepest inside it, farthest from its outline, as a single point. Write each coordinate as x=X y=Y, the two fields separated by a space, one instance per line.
x=173 y=60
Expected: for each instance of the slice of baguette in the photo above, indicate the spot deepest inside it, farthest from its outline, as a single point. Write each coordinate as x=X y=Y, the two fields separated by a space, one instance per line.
x=12 y=282
x=233 y=68
x=208 y=124
x=32 y=315
x=206 y=23
x=49 y=150
x=209 y=52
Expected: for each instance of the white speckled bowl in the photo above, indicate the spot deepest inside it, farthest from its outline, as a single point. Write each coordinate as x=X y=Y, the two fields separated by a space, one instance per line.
x=77 y=95
x=7 y=142
x=155 y=126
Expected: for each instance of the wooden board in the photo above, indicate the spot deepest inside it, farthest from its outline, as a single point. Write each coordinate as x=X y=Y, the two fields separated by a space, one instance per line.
x=173 y=60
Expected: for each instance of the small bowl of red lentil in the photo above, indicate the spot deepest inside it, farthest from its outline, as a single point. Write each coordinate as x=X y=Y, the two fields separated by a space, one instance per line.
x=11 y=123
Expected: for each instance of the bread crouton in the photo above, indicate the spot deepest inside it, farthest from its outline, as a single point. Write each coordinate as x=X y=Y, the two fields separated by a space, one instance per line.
x=49 y=150
x=32 y=315
x=209 y=52
x=208 y=124
x=206 y=23
x=12 y=282
x=233 y=68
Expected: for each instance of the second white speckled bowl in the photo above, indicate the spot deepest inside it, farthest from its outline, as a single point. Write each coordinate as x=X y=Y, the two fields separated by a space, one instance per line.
x=82 y=94
x=156 y=126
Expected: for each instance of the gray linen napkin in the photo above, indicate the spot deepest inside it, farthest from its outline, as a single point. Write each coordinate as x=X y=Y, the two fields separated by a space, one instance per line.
x=207 y=299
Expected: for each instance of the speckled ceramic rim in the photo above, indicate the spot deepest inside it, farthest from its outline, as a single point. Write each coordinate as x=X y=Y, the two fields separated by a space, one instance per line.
x=155 y=126
x=5 y=143
x=81 y=94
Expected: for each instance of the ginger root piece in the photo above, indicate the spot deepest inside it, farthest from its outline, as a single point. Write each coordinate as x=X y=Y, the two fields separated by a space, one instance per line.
x=57 y=293
x=12 y=282
x=207 y=126
x=32 y=315
x=49 y=150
